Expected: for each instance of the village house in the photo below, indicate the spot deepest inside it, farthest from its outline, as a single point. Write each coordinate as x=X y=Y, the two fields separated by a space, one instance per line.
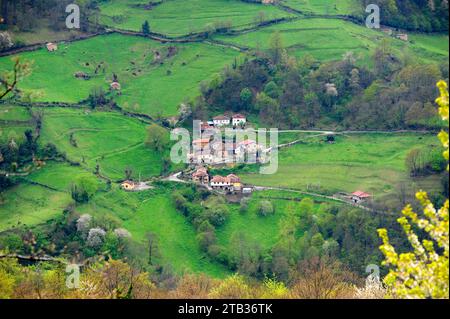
x=238 y=119
x=247 y=146
x=221 y=120
x=131 y=186
x=128 y=185
x=201 y=176
x=230 y=183
x=220 y=182
x=51 y=47
x=359 y=197
x=235 y=182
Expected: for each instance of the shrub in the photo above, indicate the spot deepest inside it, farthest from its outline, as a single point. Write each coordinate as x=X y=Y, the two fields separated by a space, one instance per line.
x=265 y=208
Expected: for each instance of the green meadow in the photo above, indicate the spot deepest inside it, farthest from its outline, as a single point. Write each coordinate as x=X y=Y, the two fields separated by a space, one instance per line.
x=329 y=7
x=179 y=17
x=153 y=211
x=149 y=87
x=329 y=39
x=30 y=205
x=14 y=121
x=262 y=231
x=108 y=139
x=370 y=162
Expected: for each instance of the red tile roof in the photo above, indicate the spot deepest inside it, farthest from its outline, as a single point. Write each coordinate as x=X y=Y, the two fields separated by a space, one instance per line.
x=361 y=194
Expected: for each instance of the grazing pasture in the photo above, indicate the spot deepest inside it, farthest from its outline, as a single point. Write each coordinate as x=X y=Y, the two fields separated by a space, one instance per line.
x=14 y=121
x=329 y=39
x=371 y=162
x=153 y=211
x=179 y=17
x=148 y=85
x=108 y=139
x=328 y=7
x=30 y=205
x=264 y=232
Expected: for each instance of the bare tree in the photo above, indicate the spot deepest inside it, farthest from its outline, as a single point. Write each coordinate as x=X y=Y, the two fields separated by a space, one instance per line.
x=9 y=80
x=323 y=278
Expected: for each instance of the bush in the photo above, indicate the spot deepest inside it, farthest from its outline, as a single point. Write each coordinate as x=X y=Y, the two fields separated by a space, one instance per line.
x=244 y=205
x=265 y=208
x=217 y=216
x=83 y=189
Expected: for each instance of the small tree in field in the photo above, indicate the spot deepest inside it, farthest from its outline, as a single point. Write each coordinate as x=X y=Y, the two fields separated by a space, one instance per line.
x=146 y=28
x=424 y=272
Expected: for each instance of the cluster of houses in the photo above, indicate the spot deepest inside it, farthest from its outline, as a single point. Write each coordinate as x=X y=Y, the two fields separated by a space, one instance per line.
x=229 y=184
x=210 y=151
x=207 y=151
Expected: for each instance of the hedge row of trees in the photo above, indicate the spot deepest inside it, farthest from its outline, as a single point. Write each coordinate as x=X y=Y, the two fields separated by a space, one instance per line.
x=322 y=279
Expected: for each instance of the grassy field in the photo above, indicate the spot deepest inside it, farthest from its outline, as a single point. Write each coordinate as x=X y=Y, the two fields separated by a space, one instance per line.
x=153 y=211
x=265 y=231
x=436 y=43
x=113 y=141
x=331 y=7
x=329 y=39
x=178 y=17
x=13 y=122
x=147 y=87
x=30 y=205
x=369 y=162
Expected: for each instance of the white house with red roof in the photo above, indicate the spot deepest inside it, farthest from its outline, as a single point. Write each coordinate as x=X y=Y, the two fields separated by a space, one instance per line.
x=359 y=196
x=221 y=120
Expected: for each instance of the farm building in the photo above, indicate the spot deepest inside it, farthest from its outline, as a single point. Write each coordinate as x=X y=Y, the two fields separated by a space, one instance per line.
x=402 y=36
x=115 y=86
x=238 y=119
x=128 y=185
x=51 y=47
x=201 y=176
x=359 y=196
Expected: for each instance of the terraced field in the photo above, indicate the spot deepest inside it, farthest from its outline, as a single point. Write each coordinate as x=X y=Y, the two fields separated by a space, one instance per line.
x=112 y=141
x=178 y=17
x=148 y=86
x=328 y=39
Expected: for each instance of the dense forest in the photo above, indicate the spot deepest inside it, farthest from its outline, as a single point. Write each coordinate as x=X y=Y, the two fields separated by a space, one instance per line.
x=418 y=15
